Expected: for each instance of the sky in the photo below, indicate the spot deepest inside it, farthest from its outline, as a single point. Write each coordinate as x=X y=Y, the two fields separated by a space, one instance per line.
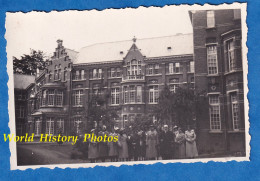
x=77 y=29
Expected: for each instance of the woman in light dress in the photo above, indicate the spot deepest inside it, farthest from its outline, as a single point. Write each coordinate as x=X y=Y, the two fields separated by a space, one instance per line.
x=191 y=147
x=122 y=146
x=180 y=140
x=151 y=143
x=93 y=149
x=113 y=148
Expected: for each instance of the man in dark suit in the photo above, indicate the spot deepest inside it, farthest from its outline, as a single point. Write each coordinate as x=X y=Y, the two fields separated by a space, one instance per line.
x=166 y=143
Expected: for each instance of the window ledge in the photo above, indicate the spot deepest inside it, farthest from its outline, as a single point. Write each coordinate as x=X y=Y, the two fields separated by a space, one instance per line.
x=79 y=80
x=211 y=28
x=190 y=72
x=153 y=103
x=236 y=131
x=134 y=103
x=78 y=106
x=150 y=75
x=215 y=131
x=174 y=73
x=213 y=75
x=114 y=77
x=231 y=72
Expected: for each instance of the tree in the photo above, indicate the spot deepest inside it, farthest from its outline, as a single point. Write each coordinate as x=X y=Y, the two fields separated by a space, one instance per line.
x=28 y=64
x=179 y=108
x=99 y=112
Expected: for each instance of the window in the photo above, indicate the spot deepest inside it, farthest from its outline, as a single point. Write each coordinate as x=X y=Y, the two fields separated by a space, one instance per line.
x=132 y=93
x=77 y=76
x=153 y=94
x=191 y=66
x=126 y=95
x=175 y=68
x=44 y=98
x=55 y=74
x=214 y=112
x=51 y=97
x=65 y=74
x=50 y=126
x=82 y=74
x=97 y=73
x=60 y=125
x=150 y=69
x=210 y=19
x=38 y=126
x=115 y=96
x=212 y=60
x=139 y=94
x=173 y=87
x=77 y=96
x=59 y=74
x=113 y=72
x=237 y=14
x=230 y=55
x=77 y=124
x=59 y=98
x=134 y=67
x=19 y=111
x=156 y=69
x=118 y=72
x=235 y=111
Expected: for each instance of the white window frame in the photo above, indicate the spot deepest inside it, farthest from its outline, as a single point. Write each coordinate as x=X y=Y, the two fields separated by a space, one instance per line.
x=211 y=19
x=230 y=54
x=59 y=98
x=211 y=56
x=115 y=92
x=235 y=105
x=213 y=105
x=60 y=124
x=37 y=128
x=153 y=94
x=50 y=126
x=78 y=97
x=51 y=97
x=139 y=94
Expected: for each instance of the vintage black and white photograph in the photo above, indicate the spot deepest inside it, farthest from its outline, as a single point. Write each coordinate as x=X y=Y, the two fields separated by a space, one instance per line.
x=128 y=86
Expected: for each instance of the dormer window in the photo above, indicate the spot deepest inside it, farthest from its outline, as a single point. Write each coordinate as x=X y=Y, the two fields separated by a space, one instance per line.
x=169 y=48
x=121 y=52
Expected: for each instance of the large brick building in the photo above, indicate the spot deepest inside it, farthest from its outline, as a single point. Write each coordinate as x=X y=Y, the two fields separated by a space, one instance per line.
x=218 y=70
x=132 y=73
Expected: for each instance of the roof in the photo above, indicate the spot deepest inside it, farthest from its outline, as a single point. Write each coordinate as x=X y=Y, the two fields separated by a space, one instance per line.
x=72 y=54
x=22 y=81
x=181 y=44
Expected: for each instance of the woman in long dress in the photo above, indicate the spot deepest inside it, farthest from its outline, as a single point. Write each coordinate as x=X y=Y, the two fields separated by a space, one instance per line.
x=191 y=147
x=180 y=140
x=92 y=149
x=151 y=143
x=122 y=146
x=112 y=148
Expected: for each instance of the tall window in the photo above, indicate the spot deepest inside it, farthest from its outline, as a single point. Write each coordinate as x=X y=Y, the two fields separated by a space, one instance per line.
x=97 y=73
x=78 y=97
x=50 y=76
x=230 y=55
x=214 y=112
x=126 y=95
x=150 y=69
x=212 y=60
x=82 y=74
x=132 y=93
x=51 y=97
x=55 y=74
x=50 y=126
x=113 y=72
x=156 y=69
x=60 y=125
x=115 y=96
x=19 y=111
x=77 y=76
x=65 y=74
x=38 y=126
x=59 y=98
x=153 y=94
x=59 y=74
x=210 y=19
x=174 y=85
x=235 y=111
x=153 y=69
x=139 y=94
x=44 y=97
x=77 y=124
x=191 y=66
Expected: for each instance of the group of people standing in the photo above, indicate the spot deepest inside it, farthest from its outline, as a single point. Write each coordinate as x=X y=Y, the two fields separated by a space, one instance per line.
x=139 y=145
